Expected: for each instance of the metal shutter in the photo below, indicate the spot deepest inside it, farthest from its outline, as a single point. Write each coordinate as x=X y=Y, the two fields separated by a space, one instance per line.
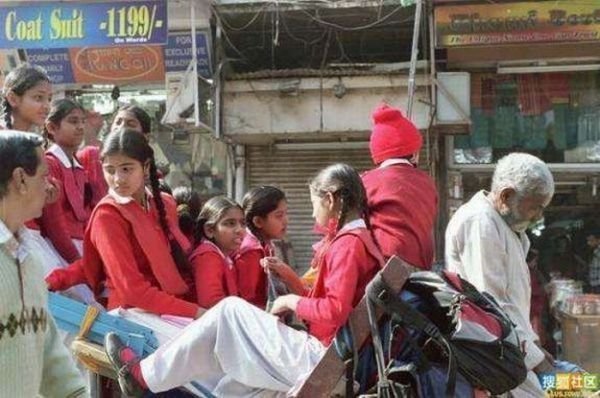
x=291 y=170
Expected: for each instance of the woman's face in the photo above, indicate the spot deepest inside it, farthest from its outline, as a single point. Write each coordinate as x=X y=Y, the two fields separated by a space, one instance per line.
x=125 y=175
x=128 y=120
x=31 y=108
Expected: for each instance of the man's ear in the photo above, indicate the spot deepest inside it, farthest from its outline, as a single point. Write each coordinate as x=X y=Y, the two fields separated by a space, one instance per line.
x=506 y=195
x=18 y=178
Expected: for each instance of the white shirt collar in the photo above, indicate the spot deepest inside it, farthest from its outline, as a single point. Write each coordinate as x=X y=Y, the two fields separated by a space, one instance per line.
x=123 y=200
x=393 y=161
x=62 y=156
x=15 y=246
x=358 y=223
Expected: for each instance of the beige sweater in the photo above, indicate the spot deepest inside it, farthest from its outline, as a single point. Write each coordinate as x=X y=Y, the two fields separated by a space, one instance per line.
x=33 y=359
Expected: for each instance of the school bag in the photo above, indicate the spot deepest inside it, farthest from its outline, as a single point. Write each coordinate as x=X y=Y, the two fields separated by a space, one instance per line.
x=444 y=323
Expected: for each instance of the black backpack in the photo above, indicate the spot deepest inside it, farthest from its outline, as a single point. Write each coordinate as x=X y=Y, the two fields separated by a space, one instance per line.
x=445 y=319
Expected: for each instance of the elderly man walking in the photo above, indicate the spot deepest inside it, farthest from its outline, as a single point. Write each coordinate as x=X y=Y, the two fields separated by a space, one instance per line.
x=487 y=245
x=33 y=359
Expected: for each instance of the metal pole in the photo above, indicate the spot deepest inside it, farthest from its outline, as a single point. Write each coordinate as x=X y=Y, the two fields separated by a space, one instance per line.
x=413 y=57
x=195 y=65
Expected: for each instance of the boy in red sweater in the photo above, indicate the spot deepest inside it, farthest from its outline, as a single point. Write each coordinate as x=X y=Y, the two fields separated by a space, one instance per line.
x=402 y=199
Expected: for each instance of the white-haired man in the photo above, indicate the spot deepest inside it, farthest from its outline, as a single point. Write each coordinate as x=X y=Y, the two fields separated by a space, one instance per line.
x=487 y=245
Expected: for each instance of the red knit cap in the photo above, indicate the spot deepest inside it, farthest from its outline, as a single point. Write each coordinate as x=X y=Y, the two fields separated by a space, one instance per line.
x=393 y=135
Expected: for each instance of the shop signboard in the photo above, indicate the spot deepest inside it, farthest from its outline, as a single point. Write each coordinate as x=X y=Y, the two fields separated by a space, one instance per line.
x=55 y=61
x=513 y=23
x=117 y=65
x=178 y=52
x=75 y=24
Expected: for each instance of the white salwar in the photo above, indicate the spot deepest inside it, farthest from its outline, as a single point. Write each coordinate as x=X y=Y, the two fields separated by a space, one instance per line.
x=235 y=350
x=482 y=248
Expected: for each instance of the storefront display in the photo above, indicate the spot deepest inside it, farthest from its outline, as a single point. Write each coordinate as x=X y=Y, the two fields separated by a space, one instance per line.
x=555 y=116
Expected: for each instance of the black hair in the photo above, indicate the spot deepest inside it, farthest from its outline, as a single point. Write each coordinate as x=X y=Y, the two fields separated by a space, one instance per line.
x=134 y=145
x=188 y=208
x=211 y=213
x=60 y=109
x=345 y=184
x=140 y=114
x=17 y=149
x=187 y=196
x=19 y=80
x=164 y=187
x=259 y=202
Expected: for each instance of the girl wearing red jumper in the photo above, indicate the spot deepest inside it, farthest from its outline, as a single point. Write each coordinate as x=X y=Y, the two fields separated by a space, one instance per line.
x=63 y=222
x=24 y=106
x=265 y=210
x=236 y=349
x=133 y=249
x=220 y=229
x=128 y=116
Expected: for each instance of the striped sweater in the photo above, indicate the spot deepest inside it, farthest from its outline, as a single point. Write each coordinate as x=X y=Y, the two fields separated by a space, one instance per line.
x=33 y=359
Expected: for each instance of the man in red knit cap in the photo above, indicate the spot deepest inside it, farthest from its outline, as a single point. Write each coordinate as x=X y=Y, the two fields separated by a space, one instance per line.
x=402 y=199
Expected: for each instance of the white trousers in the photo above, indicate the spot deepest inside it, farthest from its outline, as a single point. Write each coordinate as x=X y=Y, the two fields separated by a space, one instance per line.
x=235 y=350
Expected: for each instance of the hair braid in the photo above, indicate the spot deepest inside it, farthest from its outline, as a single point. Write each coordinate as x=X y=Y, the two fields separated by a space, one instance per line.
x=176 y=251
x=6 y=113
x=344 y=201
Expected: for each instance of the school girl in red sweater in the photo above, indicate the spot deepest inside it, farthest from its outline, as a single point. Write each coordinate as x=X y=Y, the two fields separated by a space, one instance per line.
x=236 y=349
x=265 y=210
x=220 y=229
x=129 y=116
x=63 y=222
x=134 y=252
x=25 y=99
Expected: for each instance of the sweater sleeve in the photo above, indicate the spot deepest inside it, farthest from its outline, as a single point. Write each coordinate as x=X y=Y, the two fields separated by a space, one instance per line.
x=209 y=278
x=251 y=278
x=340 y=284
x=60 y=377
x=54 y=224
x=112 y=236
x=64 y=278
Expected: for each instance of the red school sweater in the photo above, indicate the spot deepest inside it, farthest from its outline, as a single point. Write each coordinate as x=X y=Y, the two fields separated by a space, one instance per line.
x=214 y=274
x=346 y=268
x=67 y=218
x=251 y=277
x=402 y=204
x=89 y=157
x=126 y=251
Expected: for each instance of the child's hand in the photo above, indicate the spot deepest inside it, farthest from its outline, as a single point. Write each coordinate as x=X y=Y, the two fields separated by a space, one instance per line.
x=275 y=265
x=289 y=302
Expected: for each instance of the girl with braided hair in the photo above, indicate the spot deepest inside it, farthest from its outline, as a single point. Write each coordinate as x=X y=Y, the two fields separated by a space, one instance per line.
x=237 y=349
x=26 y=96
x=133 y=250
